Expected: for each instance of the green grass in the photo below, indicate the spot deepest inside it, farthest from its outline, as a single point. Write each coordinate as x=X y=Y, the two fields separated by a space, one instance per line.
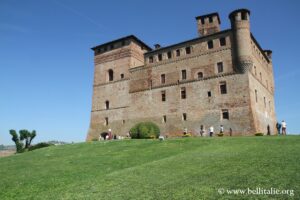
x=189 y=168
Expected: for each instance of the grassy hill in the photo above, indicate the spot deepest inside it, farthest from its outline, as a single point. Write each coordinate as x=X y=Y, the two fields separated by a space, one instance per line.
x=189 y=168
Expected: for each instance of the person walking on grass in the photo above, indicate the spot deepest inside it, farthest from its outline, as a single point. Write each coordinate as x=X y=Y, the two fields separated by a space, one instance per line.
x=211 y=131
x=278 y=127
x=230 y=132
x=283 y=124
x=221 y=129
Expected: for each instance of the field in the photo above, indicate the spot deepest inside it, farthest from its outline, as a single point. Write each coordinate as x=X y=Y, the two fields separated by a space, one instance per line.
x=183 y=168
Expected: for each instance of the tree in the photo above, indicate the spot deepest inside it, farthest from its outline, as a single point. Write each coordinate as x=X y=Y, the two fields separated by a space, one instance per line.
x=24 y=135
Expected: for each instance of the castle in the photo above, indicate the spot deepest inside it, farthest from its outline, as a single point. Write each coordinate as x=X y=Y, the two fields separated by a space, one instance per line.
x=219 y=78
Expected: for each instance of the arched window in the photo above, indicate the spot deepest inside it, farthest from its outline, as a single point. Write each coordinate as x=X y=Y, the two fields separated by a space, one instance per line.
x=107 y=105
x=110 y=75
x=200 y=75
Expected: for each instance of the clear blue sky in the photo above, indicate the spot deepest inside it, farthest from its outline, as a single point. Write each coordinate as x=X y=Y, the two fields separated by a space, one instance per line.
x=46 y=65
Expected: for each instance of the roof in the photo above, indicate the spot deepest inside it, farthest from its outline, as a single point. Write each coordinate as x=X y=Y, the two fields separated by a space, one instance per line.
x=121 y=39
x=209 y=15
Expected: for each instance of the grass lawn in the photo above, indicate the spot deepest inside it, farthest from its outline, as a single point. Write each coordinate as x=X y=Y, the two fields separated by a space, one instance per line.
x=185 y=168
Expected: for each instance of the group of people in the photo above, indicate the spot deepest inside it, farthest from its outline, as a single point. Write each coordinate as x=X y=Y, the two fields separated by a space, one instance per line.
x=210 y=130
x=281 y=127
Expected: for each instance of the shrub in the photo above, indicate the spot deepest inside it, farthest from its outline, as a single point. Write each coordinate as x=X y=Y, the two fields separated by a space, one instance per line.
x=259 y=134
x=220 y=134
x=144 y=130
x=39 y=145
x=187 y=135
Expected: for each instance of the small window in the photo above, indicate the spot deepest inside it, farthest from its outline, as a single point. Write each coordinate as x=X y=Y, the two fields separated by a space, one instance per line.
x=210 y=44
x=184 y=117
x=122 y=76
x=188 y=50
x=162 y=78
x=106 y=121
x=164 y=119
x=209 y=93
x=210 y=19
x=110 y=75
x=200 y=75
x=222 y=41
x=106 y=105
x=265 y=102
x=123 y=121
x=225 y=114
x=202 y=21
x=244 y=16
x=255 y=70
x=169 y=54
x=151 y=59
x=260 y=75
x=178 y=52
x=111 y=46
x=223 y=88
x=159 y=57
x=163 y=95
x=220 y=67
x=183 y=74
x=256 y=96
x=183 y=93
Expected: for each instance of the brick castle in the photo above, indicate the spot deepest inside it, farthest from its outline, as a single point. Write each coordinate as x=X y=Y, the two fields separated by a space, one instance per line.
x=219 y=78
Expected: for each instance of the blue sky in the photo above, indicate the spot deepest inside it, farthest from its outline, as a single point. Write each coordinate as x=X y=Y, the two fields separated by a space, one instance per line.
x=46 y=65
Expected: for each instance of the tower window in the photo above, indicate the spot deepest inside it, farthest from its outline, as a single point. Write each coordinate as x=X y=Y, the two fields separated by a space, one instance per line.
x=265 y=102
x=202 y=21
x=184 y=117
x=210 y=19
x=200 y=75
x=255 y=70
x=110 y=75
x=222 y=41
x=159 y=57
x=162 y=78
x=225 y=114
x=163 y=95
x=178 y=52
x=106 y=105
x=220 y=67
x=151 y=59
x=188 y=50
x=123 y=121
x=223 y=88
x=209 y=93
x=122 y=76
x=260 y=75
x=256 y=96
x=169 y=54
x=244 y=16
x=183 y=74
x=210 y=44
x=183 y=93
x=106 y=121
x=164 y=119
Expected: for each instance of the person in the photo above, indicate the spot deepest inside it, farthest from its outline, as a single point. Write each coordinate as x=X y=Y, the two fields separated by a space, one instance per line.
x=221 y=129
x=268 y=129
x=201 y=130
x=184 y=131
x=283 y=124
x=211 y=131
x=230 y=131
x=278 y=127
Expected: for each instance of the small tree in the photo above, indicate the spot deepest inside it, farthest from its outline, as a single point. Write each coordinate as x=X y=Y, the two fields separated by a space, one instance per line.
x=144 y=130
x=24 y=135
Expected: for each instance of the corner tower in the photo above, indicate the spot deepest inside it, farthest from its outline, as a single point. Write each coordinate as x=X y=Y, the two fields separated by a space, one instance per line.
x=208 y=24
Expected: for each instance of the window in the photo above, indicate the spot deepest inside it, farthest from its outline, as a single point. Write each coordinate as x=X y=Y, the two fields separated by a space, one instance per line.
x=162 y=78
x=159 y=57
x=183 y=74
x=122 y=76
x=106 y=105
x=244 y=16
x=265 y=102
x=105 y=48
x=169 y=54
x=209 y=93
x=260 y=75
x=183 y=116
x=183 y=93
x=255 y=70
x=164 y=119
x=210 y=19
x=188 y=50
x=202 y=21
x=225 y=114
x=200 y=75
x=151 y=59
x=111 y=46
x=123 y=43
x=123 y=121
x=110 y=75
x=178 y=52
x=210 y=44
x=256 y=96
x=106 y=121
x=222 y=41
x=223 y=88
x=163 y=95
x=220 y=67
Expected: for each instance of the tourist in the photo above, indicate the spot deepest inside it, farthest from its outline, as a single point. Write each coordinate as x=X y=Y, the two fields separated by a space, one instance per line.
x=211 y=131
x=201 y=130
x=278 y=127
x=221 y=129
x=230 y=132
x=268 y=129
x=283 y=124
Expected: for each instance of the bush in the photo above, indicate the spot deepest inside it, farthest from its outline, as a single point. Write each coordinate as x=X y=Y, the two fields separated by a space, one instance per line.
x=144 y=130
x=40 y=145
x=259 y=134
x=220 y=134
x=187 y=135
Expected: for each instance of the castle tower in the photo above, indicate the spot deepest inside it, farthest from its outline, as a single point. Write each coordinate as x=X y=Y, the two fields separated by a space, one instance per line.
x=240 y=24
x=208 y=24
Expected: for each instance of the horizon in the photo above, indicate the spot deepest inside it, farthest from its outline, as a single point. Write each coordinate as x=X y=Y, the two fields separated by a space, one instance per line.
x=47 y=63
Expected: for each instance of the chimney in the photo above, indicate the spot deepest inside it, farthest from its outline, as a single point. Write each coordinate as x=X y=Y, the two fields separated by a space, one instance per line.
x=208 y=24
x=157 y=46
